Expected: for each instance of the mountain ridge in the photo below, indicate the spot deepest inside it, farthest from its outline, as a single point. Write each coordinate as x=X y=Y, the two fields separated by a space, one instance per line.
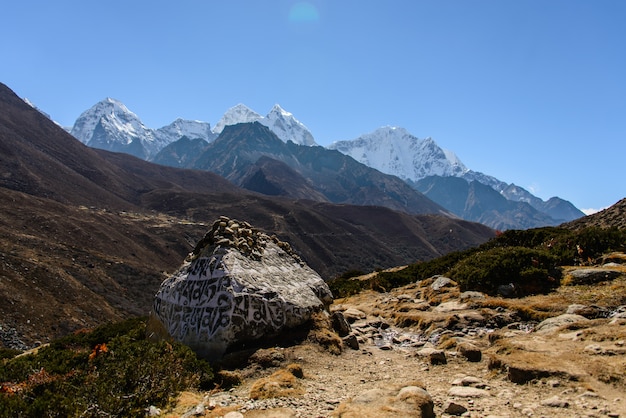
x=391 y=150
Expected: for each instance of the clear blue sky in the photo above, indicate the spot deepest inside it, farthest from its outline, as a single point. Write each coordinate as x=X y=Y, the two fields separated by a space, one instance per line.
x=532 y=92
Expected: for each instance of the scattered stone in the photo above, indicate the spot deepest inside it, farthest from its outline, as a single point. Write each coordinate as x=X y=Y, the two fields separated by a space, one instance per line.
x=469 y=351
x=591 y=275
x=451 y=306
x=234 y=414
x=340 y=324
x=521 y=375
x=453 y=408
x=468 y=381
x=552 y=324
x=351 y=341
x=441 y=282
x=435 y=356
x=467 y=392
x=507 y=290
x=555 y=402
x=470 y=294
x=590 y=312
x=588 y=394
x=353 y=314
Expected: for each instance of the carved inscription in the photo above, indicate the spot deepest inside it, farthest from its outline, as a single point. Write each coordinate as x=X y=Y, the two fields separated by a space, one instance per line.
x=205 y=300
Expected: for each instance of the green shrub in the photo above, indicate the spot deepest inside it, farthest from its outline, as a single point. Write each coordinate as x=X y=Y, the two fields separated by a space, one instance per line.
x=344 y=285
x=529 y=270
x=112 y=371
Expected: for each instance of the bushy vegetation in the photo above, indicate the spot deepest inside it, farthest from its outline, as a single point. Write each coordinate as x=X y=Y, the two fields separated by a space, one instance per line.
x=344 y=285
x=528 y=270
x=527 y=258
x=111 y=371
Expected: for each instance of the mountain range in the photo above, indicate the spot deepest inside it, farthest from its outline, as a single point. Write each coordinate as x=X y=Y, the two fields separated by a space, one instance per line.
x=86 y=234
x=420 y=163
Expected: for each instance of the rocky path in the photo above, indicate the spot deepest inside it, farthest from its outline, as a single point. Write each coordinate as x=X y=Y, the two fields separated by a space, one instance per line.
x=570 y=366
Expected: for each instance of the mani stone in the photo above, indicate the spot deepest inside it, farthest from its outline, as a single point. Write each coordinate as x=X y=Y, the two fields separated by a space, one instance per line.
x=237 y=286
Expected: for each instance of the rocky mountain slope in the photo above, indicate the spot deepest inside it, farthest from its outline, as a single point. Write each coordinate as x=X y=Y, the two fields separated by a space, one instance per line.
x=432 y=170
x=480 y=203
x=611 y=217
x=338 y=178
x=391 y=150
x=86 y=234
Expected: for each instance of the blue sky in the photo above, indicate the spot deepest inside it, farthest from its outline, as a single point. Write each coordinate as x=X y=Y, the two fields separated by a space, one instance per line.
x=532 y=92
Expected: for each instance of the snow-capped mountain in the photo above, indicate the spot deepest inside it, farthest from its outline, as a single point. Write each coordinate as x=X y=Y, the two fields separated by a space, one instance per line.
x=287 y=127
x=419 y=162
x=390 y=150
x=183 y=127
x=236 y=114
x=110 y=125
x=394 y=150
x=281 y=122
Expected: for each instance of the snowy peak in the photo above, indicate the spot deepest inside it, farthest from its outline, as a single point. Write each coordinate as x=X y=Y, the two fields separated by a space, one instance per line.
x=281 y=122
x=189 y=128
x=287 y=127
x=236 y=114
x=394 y=150
x=110 y=125
x=114 y=117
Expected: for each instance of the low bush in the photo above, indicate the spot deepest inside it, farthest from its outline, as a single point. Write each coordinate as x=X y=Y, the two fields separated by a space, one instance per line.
x=111 y=371
x=528 y=270
x=345 y=285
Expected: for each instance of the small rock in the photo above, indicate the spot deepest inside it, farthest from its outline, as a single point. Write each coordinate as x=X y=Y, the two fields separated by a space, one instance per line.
x=454 y=409
x=340 y=324
x=442 y=282
x=434 y=355
x=353 y=314
x=470 y=294
x=467 y=392
x=450 y=306
x=591 y=275
x=555 y=402
x=351 y=341
x=234 y=414
x=469 y=351
x=588 y=394
x=468 y=381
x=551 y=324
x=507 y=290
x=386 y=346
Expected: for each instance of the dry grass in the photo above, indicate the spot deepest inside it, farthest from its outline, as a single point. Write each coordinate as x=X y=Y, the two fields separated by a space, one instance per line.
x=281 y=383
x=322 y=333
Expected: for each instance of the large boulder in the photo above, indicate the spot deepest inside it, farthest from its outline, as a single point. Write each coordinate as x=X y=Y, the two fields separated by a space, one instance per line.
x=237 y=286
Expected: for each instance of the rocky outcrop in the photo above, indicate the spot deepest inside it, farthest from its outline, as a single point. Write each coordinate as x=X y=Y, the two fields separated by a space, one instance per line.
x=238 y=285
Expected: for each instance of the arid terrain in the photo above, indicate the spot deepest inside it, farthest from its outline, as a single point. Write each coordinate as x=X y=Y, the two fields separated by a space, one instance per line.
x=475 y=356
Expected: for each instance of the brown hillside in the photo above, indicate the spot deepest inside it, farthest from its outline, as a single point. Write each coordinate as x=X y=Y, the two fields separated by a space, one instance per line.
x=612 y=217
x=86 y=235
